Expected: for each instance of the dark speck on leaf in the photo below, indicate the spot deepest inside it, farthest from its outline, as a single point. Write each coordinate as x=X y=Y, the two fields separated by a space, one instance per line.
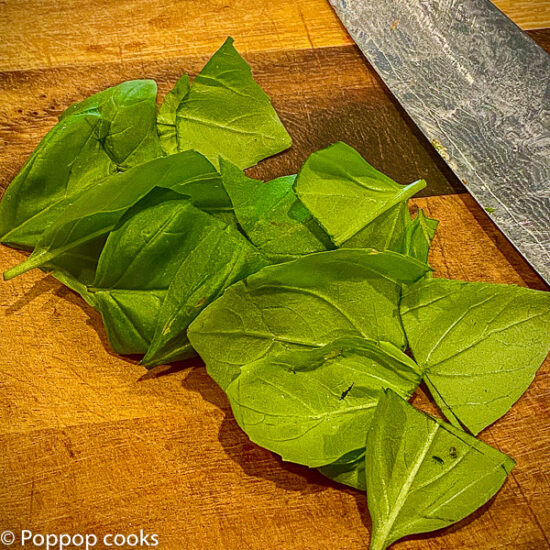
x=438 y=459
x=201 y=302
x=345 y=392
x=452 y=452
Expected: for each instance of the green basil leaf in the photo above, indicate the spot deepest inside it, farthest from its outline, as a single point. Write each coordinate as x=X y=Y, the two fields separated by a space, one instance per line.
x=136 y=266
x=345 y=193
x=76 y=268
x=313 y=406
x=271 y=215
x=348 y=470
x=423 y=474
x=163 y=249
x=418 y=236
x=110 y=131
x=129 y=316
x=396 y=230
x=478 y=344
x=386 y=232
x=216 y=255
x=80 y=262
x=226 y=113
x=166 y=118
x=97 y=210
x=305 y=303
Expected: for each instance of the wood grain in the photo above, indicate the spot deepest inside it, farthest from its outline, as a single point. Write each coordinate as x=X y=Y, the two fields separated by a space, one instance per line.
x=51 y=33
x=92 y=443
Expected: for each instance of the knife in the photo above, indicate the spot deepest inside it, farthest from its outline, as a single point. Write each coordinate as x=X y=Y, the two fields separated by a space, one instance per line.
x=479 y=90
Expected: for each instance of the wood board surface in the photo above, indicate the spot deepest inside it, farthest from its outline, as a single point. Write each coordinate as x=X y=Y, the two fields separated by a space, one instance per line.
x=92 y=443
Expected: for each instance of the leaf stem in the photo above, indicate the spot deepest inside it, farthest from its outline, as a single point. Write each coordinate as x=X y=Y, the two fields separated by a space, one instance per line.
x=30 y=263
x=379 y=541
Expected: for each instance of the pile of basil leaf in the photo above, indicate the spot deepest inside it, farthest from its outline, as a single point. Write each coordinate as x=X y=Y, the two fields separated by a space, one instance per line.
x=302 y=295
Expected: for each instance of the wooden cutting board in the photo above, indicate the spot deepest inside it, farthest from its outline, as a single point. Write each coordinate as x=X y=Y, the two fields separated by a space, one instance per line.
x=92 y=443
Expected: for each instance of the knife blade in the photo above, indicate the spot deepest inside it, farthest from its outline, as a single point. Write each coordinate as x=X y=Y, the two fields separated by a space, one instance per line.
x=479 y=89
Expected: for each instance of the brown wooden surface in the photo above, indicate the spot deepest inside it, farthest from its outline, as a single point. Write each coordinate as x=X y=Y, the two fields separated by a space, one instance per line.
x=90 y=442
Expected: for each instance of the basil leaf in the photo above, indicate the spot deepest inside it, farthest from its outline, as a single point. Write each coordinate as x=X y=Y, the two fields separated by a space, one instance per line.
x=349 y=470
x=478 y=344
x=139 y=260
x=385 y=232
x=271 y=215
x=80 y=262
x=345 y=193
x=305 y=303
x=76 y=268
x=129 y=316
x=110 y=131
x=396 y=230
x=160 y=251
x=418 y=236
x=226 y=113
x=215 y=256
x=166 y=118
x=423 y=474
x=97 y=210
x=311 y=407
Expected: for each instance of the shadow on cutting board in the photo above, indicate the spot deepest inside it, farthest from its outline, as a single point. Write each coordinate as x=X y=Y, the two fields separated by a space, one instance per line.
x=42 y=286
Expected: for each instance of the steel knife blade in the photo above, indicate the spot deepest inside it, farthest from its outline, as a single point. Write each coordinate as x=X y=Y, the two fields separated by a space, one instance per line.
x=478 y=88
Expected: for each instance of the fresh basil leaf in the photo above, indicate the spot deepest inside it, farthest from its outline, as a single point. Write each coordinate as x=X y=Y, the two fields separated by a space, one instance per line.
x=129 y=110
x=395 y=230
x=418 y=236
x=305 y=303
x=423 y=474
x=76 y=268
x=110 y=131
x=385 y=232
x=166 y=118
x=345 y=193
x=271 y=215
x=478 y=344
x=215 y=256
x=80 y=262
x=137 y=264
x=312 y=406
x=348 y=470
x=97 y=210
x=129 y=316
x=163 y=250
x=226 y=113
